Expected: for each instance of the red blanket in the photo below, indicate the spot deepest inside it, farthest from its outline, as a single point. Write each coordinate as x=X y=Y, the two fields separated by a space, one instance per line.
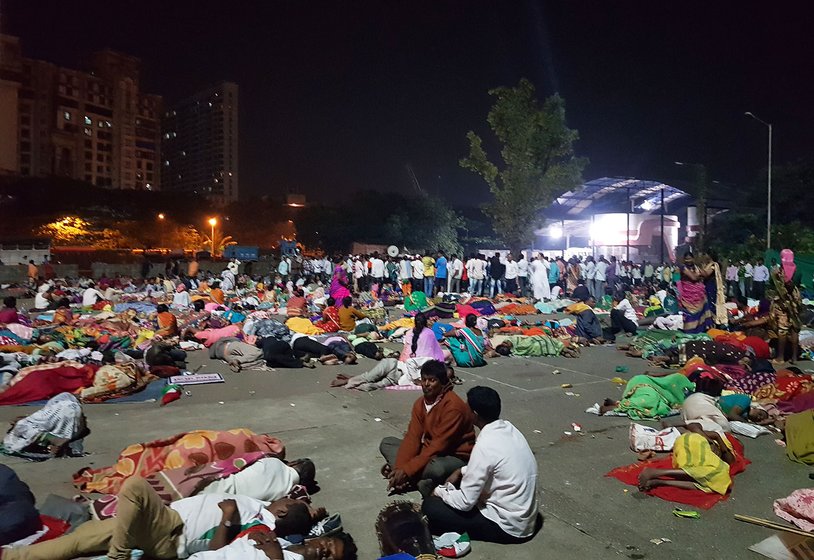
x=696 y=498
x=48 y=380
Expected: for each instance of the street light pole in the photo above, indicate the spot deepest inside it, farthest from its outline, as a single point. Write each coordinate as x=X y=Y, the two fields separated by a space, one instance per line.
x=768 y=181
x=213 y=222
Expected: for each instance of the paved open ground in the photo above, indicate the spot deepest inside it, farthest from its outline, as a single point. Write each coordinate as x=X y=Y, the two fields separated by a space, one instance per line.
x=586 y=514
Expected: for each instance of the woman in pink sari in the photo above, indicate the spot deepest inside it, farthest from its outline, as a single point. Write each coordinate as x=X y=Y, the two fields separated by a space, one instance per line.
x=421 y=342
x=692 y=297
x=339 y=283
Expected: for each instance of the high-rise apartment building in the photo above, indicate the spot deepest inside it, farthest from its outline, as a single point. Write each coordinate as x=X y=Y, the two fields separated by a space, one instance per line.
x=200 y=146
x=95 y=126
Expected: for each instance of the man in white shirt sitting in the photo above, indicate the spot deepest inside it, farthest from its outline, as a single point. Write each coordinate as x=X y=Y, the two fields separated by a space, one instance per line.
x=494 y=497
x=623 y=316
x=91 y=295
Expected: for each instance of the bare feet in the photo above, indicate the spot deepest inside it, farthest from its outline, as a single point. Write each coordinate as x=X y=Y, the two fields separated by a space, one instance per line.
x=646 y=480
x=607 y=406
x=327 y=358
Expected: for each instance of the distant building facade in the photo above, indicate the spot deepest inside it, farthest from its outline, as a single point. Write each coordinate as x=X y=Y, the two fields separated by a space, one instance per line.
x=200 y=144
x=95 y=126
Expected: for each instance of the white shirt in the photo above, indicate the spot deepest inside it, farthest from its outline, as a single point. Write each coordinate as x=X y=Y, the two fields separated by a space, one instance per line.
x=242 y=549
x=760 y=273
x=40 y=301
x=630 y=313
x=91 y=296
x=405 y=269
x=748 y=270
x=282 y=268
x=181 y=299
x=511 y=270
x=600 y=271
x=478 y=271
x=267 y=479
x=359 y=269
x=418 y=269
x=456 y=269
x=668 y=323
x=377 y=268
x=523 y=268
x=500 y=479
x=590 y=271
x=234 y=266
x=703 y=409
x=201 y=515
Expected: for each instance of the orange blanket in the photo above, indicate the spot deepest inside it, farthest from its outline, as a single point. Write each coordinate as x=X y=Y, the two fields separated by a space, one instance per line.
x=696 y=498
x=182 y=450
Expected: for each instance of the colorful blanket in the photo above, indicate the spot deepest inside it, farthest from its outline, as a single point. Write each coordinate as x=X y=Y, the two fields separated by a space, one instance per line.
x=174 y=484
x=696 y=498
x=44 y=381
x=187 y=449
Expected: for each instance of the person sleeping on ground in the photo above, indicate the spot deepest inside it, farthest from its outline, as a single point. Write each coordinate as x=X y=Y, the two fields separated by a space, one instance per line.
x=494 y=497
x=197 y=447
x=56 y=430
x=265 y=545
x=439 y=437
x=143 y=521
x=701 y=461
x=649 y=397
x=534 y=345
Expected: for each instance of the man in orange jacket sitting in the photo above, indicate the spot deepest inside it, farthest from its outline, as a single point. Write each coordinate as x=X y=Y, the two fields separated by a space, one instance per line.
x=439 y=438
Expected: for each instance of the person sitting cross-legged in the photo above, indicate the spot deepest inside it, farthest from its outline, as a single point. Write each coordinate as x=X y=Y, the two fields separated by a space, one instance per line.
x=494 y=497
x=439 y=437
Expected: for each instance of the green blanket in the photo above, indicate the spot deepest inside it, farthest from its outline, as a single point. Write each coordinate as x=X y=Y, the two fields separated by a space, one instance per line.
x=800 y=437
x=648 y=397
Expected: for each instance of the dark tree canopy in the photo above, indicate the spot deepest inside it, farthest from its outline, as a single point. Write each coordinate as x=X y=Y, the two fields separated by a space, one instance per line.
x=537 y=161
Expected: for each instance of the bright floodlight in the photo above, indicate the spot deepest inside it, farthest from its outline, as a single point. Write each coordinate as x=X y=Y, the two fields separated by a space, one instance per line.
x=161 y=216
x=647 y=205
x=595 y=230
x=555 y=232
x=213 y=221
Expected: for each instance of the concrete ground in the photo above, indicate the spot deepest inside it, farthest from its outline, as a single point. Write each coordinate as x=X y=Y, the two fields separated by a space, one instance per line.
x=586 y=514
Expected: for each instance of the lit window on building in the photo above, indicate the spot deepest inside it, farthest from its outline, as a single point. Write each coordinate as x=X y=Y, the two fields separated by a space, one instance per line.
x=88 y=120
x=88 y=132
x=66 y=115
x=148 y=186
x=166 y=163
x=108 y=124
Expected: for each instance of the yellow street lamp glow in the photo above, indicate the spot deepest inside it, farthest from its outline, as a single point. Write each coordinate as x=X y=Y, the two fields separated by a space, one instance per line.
x=161 y=216
x=213 y=221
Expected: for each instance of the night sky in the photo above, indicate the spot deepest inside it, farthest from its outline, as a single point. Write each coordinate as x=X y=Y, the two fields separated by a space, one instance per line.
x=339 y=96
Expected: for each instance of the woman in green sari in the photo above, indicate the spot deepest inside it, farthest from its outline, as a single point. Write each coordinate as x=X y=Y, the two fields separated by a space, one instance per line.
x=649 y=398
x=468 y=344
x=416 y=301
